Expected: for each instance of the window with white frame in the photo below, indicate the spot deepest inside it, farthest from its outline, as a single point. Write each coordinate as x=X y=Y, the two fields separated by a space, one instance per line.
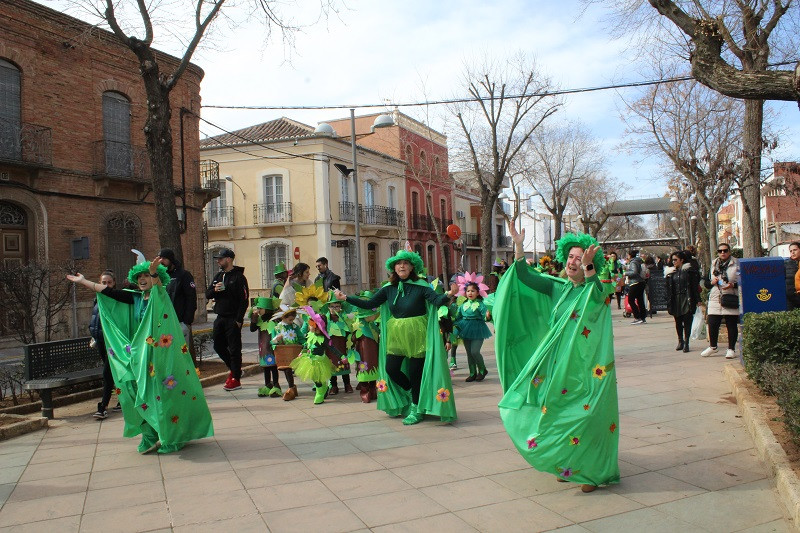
x=350 y=262
x=117 y=134
x=369 y=194
x=345 y=188
x=392 y=195
x=272 y=254
x=273 y=190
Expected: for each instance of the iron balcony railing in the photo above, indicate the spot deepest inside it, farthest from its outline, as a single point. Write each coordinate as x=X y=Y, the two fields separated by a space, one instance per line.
x=503 y=241
x=219 y=216
x=272 y=213
x=122 y=161
x=25 y=143
x=208 y=169
x=471 y=239
x=371 y=214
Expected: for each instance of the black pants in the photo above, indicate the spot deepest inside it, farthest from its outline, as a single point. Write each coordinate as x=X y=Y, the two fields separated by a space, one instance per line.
x=683 y=326
x=731 y=322
x=636 y=300
x=619 y=299
x=108 y=379
x=413 y=380
x=271 y=376
x=228 y=344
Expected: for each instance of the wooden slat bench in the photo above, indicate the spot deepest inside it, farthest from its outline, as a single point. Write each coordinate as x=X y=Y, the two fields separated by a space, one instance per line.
x=56 y=364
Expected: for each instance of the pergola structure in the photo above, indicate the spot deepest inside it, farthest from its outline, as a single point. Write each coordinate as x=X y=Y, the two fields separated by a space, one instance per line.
x=641 y=206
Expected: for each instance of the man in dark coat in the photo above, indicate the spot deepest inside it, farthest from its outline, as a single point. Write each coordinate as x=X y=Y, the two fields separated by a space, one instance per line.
x=329 y=279
x=231 y=297
x=182 y=292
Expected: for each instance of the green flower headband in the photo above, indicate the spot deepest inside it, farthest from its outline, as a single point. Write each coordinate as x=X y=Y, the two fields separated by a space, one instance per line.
x=135 y=271
x=582 y=241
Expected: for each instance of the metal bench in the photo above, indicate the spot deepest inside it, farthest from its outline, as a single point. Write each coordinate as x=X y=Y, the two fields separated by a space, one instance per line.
x=56 y=364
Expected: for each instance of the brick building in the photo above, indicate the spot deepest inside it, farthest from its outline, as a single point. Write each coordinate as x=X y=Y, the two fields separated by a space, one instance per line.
x=73 y=162
x=424 y=151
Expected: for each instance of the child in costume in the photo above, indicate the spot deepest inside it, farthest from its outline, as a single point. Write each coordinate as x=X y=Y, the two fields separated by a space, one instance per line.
x=471 y=323
x=365 y=340
x=260 y=321
x=157 y=384
x=288 y=332
x=339 y=331
x=415 y=379
x=313 y=364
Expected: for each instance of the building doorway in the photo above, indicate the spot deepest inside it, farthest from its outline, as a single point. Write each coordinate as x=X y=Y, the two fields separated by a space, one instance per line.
x=13 y=252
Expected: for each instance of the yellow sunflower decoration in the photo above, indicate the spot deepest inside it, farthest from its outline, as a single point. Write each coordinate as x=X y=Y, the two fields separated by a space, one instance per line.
x=314 y=295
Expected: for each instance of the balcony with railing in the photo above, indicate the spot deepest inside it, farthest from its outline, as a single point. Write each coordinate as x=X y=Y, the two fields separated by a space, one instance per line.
x=25 y=144
x=219 y=217
x=421 y=222
x=503 y=241
x=371 y=214
x=272 y=213
x=471 y=239
x=208 y=170
x=121 y=161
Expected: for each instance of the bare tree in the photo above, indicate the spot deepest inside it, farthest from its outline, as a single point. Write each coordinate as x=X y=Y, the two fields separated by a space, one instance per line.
x=698 y=132
x=591 y=198
x=557 y=160
x=159 y=83
x=510 y=103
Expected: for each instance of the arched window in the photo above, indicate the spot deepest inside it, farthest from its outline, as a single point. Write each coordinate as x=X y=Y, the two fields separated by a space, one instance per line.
x=272 y=254
x=423 y=161
x=123 y=232
x=409 y=155
x=117 y=134
x=350 y=262
x=10 y=114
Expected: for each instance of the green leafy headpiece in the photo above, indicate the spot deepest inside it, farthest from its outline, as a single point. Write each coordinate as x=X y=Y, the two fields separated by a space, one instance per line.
x=582 y=241
x=133 y=273
x=411 y=257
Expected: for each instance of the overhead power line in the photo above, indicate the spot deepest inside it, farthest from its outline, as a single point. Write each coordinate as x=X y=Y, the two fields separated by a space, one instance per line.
x=473 y=98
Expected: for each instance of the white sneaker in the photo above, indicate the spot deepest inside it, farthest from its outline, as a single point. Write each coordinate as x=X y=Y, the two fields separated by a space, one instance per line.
x=730 y=354
x=708 y=352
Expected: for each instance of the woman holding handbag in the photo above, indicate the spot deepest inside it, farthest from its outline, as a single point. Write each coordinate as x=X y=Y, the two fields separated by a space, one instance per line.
x=723 y=301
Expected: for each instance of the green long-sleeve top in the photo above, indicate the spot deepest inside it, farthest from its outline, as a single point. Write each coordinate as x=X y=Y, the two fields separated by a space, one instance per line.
x=405 y=299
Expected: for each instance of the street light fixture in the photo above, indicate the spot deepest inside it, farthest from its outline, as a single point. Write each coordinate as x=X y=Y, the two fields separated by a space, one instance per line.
x=691 y=228
x=382 y=121
x=244 y=198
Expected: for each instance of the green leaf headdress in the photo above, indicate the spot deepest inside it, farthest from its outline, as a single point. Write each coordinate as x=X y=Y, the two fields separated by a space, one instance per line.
x=582 y=241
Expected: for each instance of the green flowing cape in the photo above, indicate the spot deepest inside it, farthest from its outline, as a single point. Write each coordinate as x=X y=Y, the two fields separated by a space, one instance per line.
x=436 y=392
x=555 y=357
x=153 y=370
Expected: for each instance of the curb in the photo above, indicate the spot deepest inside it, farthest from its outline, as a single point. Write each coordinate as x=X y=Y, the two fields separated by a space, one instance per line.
x=25 y=425
x=767 y=446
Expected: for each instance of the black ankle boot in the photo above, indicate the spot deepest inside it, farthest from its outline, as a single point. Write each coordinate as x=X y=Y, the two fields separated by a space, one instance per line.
x=679 y=347
x=686 y=347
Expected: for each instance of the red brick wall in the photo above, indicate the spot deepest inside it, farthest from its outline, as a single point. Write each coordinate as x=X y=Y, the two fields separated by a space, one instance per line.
x=65 y=67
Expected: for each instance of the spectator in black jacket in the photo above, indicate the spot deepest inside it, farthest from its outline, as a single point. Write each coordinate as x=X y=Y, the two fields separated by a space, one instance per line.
x=230 y=293
x=182 y=292
x=793 y=277
x=329 y=279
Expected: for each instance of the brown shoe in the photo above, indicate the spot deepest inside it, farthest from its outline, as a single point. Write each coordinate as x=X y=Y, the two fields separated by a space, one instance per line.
x=334 y=390
x=364 y=393
x=588 y=488
x=348 y=388
x=290 y=394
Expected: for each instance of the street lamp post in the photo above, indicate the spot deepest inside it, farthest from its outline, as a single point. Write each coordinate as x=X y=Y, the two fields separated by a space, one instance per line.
x=692 y=220
x=244 y=199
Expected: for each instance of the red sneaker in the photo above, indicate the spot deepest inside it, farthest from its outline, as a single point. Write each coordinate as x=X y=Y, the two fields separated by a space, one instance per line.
x=227 y=382
x=234 y=384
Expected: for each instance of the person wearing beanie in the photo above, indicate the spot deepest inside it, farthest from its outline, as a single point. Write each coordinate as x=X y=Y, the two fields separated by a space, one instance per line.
x=183 y=293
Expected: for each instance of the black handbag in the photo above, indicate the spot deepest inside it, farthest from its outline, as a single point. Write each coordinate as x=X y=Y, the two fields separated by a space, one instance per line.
x=729 y=301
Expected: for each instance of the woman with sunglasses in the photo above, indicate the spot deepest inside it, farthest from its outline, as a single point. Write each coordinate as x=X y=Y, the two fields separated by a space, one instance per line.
x=723 y=301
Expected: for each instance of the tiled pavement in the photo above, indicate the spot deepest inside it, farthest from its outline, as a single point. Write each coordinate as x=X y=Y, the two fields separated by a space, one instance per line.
x=687 y=463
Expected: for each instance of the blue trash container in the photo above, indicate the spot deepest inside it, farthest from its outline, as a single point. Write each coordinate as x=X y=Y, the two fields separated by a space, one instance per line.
x=763 y=284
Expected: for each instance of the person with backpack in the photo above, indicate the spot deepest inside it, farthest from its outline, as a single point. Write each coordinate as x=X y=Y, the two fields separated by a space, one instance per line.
x=636 y=275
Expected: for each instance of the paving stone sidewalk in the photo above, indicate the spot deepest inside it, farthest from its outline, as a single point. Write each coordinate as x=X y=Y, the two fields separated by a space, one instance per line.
x=687 y=462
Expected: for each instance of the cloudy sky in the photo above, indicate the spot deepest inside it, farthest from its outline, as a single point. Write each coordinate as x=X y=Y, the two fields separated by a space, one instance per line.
x=373 y=52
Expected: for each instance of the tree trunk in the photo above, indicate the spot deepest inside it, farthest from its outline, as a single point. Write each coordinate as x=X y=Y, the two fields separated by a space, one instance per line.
x=158 y=136
x=751 y=178
x=487 y=221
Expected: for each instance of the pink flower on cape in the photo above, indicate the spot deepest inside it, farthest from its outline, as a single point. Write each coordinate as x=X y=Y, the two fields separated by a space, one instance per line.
x=472 y=277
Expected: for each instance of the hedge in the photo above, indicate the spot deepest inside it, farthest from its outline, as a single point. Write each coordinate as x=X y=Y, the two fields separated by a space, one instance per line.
x=770 y=338
x=783 y=382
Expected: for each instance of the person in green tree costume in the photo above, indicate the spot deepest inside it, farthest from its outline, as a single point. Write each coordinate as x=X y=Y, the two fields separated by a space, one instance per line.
x=555 y=357
x=158 y=387
x=414 y=378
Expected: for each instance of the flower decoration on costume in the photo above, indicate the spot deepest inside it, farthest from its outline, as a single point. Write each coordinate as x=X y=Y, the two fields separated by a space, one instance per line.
x=567 y=472
x=574 y=315
x=128 y=348
x=197 y=371
x=269 y=360
x=185 y=348
x=586 y=332
x=165 y=341
x=563 y=391
x=312 y=293
x=532 y=443
x=381 y=386
x=612 y=427
x=544 y=409
x=472 y=277
x=545 y=260
x=574 y=441
x=150 y=340
x=170 y=382
x=599 y=372
x=151 y=369
x=117 y=391
x=111 y=353
x=586 y=407
x=443 y=395
x=363 y=366
x=174 y=419
x=158 y=398
x=537 y=380
x=183 y=393
x=144 y=407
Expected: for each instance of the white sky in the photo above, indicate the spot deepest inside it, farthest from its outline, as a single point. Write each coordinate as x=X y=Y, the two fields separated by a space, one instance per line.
x=415 y=50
